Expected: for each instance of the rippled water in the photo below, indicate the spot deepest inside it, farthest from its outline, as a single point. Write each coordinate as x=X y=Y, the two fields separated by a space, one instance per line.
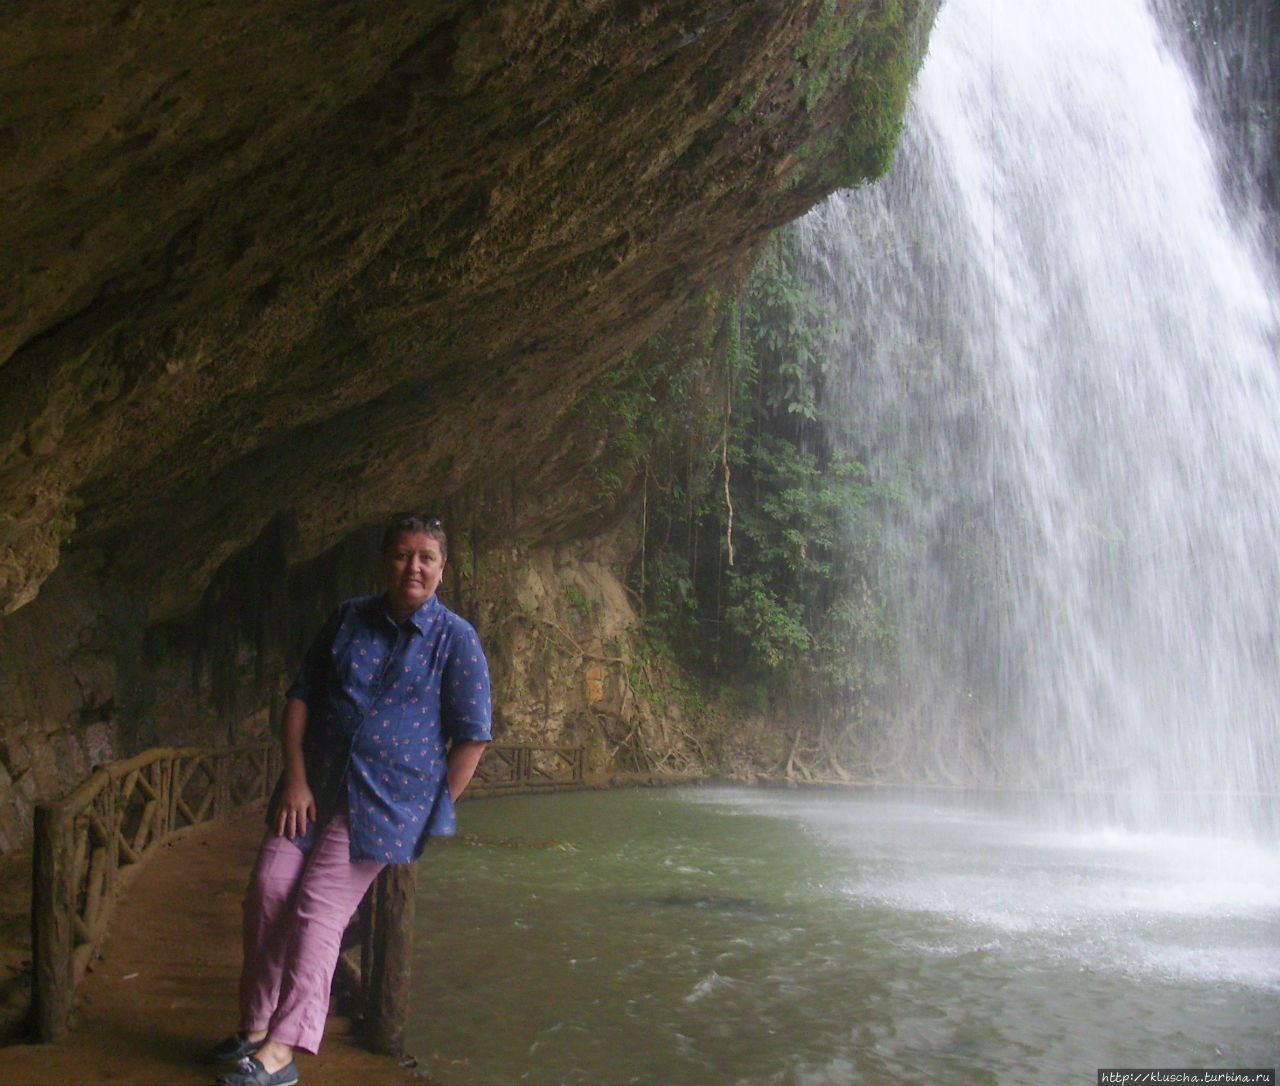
x=711 y=935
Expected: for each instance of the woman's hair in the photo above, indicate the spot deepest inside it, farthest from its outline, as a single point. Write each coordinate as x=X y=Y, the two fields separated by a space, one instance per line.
x=415 y=522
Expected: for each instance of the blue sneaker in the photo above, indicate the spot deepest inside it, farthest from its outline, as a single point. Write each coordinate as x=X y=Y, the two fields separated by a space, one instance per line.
x=252 y=1073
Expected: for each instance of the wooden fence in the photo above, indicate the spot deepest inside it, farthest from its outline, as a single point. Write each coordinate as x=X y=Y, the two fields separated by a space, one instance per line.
x=519 y=766
x=88 y=845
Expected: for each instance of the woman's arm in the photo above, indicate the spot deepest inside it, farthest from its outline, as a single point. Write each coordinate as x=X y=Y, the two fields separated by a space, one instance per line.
x=464 y=756
x=297 y=804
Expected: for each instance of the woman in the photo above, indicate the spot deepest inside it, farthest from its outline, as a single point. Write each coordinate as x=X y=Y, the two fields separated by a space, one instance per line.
x=382 y=730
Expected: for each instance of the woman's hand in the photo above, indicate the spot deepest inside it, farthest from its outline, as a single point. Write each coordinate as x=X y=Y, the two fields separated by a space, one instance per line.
x=297 y=809
x=297 y=804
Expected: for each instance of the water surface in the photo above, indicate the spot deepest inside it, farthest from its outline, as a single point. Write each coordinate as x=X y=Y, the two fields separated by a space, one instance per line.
x=710 y=936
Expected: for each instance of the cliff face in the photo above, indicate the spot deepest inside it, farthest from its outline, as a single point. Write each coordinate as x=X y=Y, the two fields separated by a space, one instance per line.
x=306 y=263
x=1234 y=50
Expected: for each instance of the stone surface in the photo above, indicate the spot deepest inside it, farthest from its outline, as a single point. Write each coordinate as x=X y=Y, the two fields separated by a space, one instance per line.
x=262 y=259
x=272 y=272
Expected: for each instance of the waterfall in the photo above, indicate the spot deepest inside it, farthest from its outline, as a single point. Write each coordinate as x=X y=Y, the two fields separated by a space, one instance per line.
x=1063 y=350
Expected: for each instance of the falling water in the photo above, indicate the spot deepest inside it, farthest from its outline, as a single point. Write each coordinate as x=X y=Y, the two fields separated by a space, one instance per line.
x=1063 y=349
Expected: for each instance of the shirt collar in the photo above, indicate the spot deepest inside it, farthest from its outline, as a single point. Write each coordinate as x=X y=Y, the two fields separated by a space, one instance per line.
x=421 y=618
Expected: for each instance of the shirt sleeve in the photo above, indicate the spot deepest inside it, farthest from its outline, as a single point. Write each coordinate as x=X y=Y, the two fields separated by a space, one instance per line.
x=465 y=708
x=309 y=683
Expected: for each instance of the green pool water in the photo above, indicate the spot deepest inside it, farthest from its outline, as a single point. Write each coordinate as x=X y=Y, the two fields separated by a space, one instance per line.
x=709 y=935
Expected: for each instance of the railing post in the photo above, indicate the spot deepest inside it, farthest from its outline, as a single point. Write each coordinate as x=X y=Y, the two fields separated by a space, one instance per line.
x=222 y=785
x=387 y=991
x=368 y=940
x=164 y=798
x=52 y=910
x=100 y=820
x=175 y=788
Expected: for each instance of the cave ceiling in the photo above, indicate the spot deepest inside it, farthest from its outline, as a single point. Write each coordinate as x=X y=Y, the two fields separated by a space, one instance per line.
x=334 y=259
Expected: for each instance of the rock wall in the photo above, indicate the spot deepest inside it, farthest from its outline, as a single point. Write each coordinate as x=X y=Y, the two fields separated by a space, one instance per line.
x=271 y=273
x=572 y=667
x=86 y=679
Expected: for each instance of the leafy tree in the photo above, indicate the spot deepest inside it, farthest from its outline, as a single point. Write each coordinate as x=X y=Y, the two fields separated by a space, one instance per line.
x=760 y=526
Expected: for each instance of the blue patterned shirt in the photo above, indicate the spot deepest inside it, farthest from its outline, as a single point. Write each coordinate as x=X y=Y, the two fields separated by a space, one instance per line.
x=385 y=700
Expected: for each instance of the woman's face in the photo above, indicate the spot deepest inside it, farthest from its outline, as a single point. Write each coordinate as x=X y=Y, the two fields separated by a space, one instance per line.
x=411 y=568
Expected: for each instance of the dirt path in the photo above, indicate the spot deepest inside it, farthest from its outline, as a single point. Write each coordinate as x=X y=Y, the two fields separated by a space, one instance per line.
x=164 y=987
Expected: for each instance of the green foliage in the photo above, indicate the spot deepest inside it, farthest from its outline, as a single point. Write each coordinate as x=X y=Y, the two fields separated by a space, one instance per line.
x=643 y=409
x=763 y=587
x=760 y=525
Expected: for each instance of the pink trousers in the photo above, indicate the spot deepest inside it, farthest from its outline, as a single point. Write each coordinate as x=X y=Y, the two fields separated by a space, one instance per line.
x=295 y=912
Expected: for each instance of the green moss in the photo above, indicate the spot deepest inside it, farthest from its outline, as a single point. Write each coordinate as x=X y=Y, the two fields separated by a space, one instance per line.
x=822 y=52
x=870 y=58
x=744 y=107
x=579 y=600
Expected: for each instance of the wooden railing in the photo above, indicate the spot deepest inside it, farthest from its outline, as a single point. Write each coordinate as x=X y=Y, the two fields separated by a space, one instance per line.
x=513 y=766
x=88 y=845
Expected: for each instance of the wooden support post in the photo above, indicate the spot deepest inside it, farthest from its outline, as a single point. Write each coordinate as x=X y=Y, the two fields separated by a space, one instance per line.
x=387 y=1006
x=165 y=797
x=52 y=915
x=366 y=922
